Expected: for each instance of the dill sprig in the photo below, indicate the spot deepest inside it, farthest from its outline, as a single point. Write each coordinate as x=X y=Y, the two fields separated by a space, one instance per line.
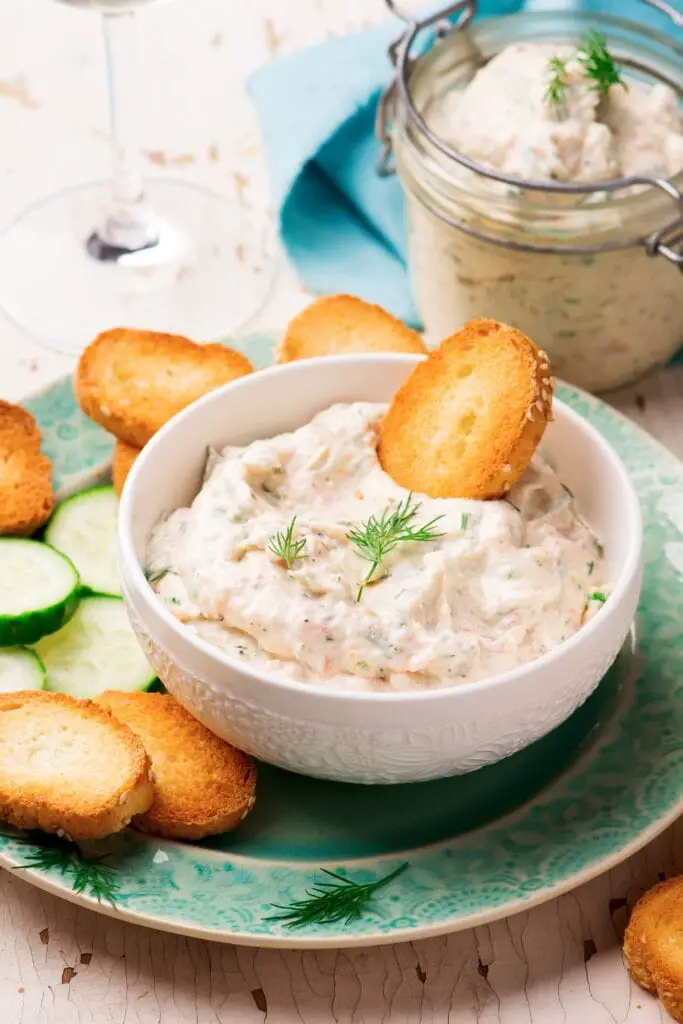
x=557 y=82
x=283 y=545
x=598 y=63
x=597 y=595
x=340 y=899
x=375 y=538
x=87 y=874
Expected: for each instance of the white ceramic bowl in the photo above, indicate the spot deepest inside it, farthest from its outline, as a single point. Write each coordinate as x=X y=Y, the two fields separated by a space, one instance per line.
x=358 y=736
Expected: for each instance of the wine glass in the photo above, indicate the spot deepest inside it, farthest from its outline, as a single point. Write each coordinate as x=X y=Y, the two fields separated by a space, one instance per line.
x=154 y=254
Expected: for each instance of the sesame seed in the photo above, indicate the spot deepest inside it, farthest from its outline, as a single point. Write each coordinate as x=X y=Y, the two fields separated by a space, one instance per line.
x=506 y=487
x=539 y=406
x=530 y=415
x=507 y=468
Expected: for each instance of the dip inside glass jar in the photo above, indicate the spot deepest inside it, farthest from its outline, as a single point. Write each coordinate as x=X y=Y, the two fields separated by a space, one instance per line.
x=571 y=270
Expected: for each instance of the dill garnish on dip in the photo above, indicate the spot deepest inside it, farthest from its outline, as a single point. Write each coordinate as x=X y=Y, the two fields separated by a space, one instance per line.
x=302 y=556
x=377 y=537
x=598 y=63
x=597 y=66
x=557 y=82
x=284 y=547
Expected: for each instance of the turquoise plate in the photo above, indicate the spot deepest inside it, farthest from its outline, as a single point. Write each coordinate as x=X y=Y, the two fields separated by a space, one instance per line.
x=480 y=846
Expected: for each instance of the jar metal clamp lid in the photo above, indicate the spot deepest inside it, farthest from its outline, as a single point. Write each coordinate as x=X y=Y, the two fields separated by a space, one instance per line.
x=667 y=241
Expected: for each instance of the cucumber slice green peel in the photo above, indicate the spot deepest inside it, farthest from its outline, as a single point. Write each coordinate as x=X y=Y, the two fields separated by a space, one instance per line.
x=96 y=651
x=39 y=590
x=83 y=528
x=20 y=669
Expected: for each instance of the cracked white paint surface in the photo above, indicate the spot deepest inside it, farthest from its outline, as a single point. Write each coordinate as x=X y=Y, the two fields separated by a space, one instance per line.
x=558 y=964
x=62 y=965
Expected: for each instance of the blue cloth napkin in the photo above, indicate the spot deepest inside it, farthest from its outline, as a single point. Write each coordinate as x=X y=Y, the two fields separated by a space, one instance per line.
x=342 y=224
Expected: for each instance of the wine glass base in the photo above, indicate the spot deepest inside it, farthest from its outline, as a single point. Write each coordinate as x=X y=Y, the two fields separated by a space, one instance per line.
x=206 y=275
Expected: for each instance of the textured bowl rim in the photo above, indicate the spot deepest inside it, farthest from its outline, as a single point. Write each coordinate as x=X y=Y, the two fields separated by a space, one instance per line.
x=137 y=583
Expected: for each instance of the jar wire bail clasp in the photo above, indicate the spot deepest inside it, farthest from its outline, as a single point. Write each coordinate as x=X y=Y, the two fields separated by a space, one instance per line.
x=399 y=55
x=668 y=241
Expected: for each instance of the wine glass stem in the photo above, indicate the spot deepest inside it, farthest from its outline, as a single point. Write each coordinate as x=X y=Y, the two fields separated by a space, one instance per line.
x=128 y=224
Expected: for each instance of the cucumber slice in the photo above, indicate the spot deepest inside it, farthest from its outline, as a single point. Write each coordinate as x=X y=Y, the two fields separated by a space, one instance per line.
x=96 y=651
x=20 y=669
x=39 y=589
x=84 y=528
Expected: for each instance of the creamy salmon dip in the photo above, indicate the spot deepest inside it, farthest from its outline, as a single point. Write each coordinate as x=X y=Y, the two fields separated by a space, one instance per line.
x=506 y=118
x=497 y=585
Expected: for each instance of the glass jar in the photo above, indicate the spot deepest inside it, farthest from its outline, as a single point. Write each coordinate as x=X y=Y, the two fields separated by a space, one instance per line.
x=587 y=276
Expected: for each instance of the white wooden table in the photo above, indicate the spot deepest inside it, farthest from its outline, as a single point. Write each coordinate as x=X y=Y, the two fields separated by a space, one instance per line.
x=558 y=963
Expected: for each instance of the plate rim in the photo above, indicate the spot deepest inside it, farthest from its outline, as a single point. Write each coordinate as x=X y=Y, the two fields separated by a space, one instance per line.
x=446 y=924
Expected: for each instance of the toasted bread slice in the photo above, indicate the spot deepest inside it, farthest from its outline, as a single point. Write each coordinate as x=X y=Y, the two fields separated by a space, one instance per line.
x=26 y=497
x=340 y=324
x=122 y=462
x=18 y=428
x=132 y=382
x=202 y=785
x=468 y=419
x=653 y=944
x=67 y=766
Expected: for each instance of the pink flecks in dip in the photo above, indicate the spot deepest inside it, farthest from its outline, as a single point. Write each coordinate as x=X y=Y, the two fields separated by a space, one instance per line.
x=505 y=582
